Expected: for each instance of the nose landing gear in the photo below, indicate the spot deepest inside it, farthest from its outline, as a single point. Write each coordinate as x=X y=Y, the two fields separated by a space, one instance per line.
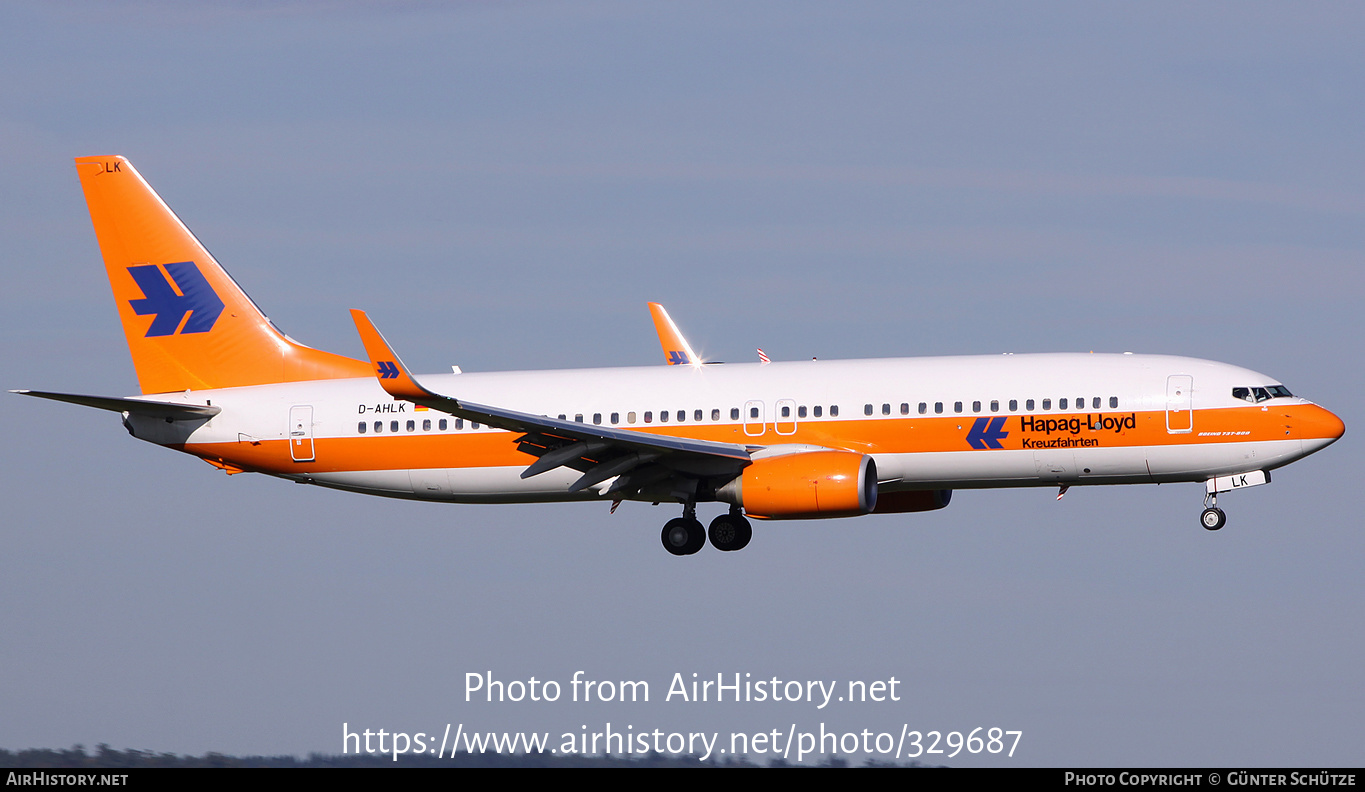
x=1212 y=517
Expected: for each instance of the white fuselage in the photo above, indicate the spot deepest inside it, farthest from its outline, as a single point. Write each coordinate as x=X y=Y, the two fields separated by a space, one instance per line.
x=933 y=422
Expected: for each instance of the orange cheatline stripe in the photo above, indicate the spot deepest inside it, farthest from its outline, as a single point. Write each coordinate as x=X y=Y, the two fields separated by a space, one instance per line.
x=896 y=436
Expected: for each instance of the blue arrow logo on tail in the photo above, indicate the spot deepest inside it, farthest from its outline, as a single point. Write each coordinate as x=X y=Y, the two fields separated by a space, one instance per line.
x=196 y=298
x=987 y=433
x=388 y=370
x=676 y=358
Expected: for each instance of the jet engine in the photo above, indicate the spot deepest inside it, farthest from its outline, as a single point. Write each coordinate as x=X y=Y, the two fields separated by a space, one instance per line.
x=813 y=484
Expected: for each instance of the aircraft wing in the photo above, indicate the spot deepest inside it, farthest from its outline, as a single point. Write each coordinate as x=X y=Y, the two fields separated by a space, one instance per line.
x=599 y=452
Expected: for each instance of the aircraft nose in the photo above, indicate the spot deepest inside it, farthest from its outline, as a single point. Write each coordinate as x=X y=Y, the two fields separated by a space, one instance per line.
x=1316 y=423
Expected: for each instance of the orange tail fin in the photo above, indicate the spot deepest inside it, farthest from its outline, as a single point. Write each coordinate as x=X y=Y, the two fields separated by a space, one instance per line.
x=188 y=325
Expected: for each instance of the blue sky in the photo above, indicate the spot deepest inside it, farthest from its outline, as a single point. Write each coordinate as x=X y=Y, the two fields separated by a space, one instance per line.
x=504 y=186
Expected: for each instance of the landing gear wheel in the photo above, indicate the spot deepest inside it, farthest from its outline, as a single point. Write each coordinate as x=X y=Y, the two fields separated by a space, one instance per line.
x=730 y=532
x=1213 y=518
x=682 y=536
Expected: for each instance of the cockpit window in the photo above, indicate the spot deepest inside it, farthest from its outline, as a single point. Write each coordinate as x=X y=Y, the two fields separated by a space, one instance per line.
x=1257 y=395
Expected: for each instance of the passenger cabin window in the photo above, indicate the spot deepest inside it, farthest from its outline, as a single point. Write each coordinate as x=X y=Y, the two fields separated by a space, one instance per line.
x=1061 y=404
x=734 y=413
x=995 y=405
x=459 y=424
x=817 y=411
x=801 y=411
x=1095 y=403
x=1047 y=404
x=786 y=411
x=867 y=409
x=834 y=411
x=682 y=415
x=976 y=406
x=1113 y=402
x=1014 y=405
x=442 y=424
x=923 y=408
x=597 y=418
x=696 y=415
x=1028 y=405
x=663 y=416
x=578 y=418
x=957 y=407
x=905 y=408
x=393 y=426
x=616 y=418
x=938 y=408
x=649 y=416
x=378 y=427
x=426 y=424
x=361 y=427
x=630 y=417
x=715 y=415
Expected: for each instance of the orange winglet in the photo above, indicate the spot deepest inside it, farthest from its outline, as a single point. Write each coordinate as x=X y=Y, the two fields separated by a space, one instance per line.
x=677 y=351
x=392 y=374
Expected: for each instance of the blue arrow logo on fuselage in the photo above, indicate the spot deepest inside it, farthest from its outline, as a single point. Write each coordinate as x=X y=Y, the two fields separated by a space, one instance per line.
x=196 y=298
x=987 y=433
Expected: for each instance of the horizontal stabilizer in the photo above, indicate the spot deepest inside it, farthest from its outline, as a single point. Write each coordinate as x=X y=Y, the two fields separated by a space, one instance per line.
x=152 y=409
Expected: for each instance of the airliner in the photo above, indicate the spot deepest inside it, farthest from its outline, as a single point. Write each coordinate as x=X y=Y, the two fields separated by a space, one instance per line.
x=772 y=441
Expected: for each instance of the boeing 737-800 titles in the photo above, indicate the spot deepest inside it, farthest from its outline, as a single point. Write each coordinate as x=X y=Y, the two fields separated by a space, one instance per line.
x=809 y=439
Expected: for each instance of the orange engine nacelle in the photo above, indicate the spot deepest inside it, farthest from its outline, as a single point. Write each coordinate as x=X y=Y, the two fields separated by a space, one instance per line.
x=812 y=484
x=912 y=501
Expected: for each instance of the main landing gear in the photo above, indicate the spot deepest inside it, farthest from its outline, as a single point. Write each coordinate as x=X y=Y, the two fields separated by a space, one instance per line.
x=730 y=532
x=684 y=535
x=1212 y=517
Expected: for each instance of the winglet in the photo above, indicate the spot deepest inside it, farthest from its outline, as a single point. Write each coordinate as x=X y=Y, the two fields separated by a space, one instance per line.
x=676 y=349
x=388 y=368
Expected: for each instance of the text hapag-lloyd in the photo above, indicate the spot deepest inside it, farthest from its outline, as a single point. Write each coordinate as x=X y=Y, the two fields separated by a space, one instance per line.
x=1095 y=423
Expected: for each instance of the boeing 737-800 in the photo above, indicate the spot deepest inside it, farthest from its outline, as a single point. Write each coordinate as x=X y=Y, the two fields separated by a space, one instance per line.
x=808 y=439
